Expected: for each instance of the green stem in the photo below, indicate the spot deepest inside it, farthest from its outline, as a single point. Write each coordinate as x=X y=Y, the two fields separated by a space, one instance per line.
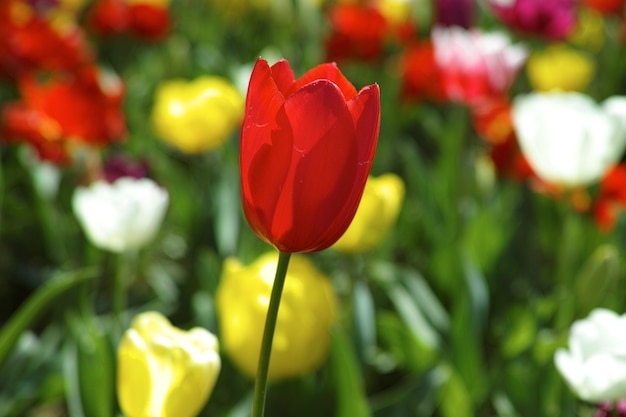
x=260 y=386
x=123 y=268
x=569 y=252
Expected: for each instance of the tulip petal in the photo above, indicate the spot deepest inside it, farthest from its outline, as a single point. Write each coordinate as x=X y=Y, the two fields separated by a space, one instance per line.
x=365 y=110
x=323 y=169
x=283 y=76
x=330 y=72
x=265 y=149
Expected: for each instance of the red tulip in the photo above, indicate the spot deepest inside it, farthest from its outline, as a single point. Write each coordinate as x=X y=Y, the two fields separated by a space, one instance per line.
x=55 y=114
x=307 y=147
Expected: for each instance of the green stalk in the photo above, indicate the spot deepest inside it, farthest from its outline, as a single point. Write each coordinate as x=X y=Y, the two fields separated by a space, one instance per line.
x=125 y=267
x=260 y=385
x=119 y=287
x=569 y=252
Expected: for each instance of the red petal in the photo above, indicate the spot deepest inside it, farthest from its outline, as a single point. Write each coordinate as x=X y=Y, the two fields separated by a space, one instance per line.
x=365 y=110
x=283 y=75
x=265 y=152
x=328 y=71
x=323 y=169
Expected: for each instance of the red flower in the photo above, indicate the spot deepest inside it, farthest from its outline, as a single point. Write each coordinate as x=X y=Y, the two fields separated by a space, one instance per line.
x=492 y=120
x=69 y=108
x=509 y=161
x=148 y=21
x=358 y=32
x=109 y=17
x=306 y=151
x=611 y=199
x=420 y=74
x=29 y=41
x=145 y=20
x=606 y=6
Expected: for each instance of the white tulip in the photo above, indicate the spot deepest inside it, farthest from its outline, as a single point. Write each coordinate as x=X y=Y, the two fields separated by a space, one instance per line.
x=120 y=216
x=595 y=364
x=567 y=138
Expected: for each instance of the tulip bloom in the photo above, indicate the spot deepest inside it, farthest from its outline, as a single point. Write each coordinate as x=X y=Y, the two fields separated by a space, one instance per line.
x=146 y=19
x=606 y=6
x=560 y=68
x=306 y=151
x=57 y=114
x=568 y=139
x=475 y=65
x=199 y=115
x=358 y=31
x=552 y=20
x=121 y=216
x=595 y=364
x=460 y=13
x=307 y=312
x=30 y=40
x=421 y=76
x=163 y=371
x=378 y=211
x=611 y=198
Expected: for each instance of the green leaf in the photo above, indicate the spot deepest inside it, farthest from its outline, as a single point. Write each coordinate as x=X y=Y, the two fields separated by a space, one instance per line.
x=426 y=299
x=227 y=213
x=92 y=366
x=364 y=319
x=598 y=281
x=521 y=331
x=455 y=399
x=404 y=348
x=412 y=316
x=33 y=308
x=351 y=397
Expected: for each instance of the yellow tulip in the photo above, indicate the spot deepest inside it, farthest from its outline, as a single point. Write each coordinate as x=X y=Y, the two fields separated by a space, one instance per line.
x=377 y=213
x=307 y=311
x=396 y=11
x=560 y=67
x=199 y=115
x=164 y=371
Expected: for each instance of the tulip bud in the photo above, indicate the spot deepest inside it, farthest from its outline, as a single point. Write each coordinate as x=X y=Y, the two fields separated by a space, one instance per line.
x=377 y=212
x=307 y=311
x=306 y=149
x=199 y=115
x=121 y=216
x=164 y=371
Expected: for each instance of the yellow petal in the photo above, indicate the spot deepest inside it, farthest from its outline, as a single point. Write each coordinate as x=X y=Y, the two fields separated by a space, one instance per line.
x=164 y=371
x=307 y=310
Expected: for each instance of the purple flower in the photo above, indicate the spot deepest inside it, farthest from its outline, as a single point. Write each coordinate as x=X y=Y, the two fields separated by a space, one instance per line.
x=552 y=20
x=455 y=13
x=119 y=165
x=42 y=4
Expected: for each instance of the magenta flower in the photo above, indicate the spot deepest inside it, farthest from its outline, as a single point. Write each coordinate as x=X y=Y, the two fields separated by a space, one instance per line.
x=552 y=20
x=455 y=13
